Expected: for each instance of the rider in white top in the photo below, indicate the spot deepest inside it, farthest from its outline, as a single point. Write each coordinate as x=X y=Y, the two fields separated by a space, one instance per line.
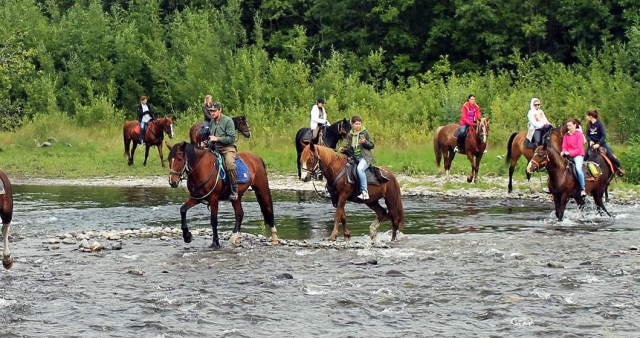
x=318 y=117
x=538 y=123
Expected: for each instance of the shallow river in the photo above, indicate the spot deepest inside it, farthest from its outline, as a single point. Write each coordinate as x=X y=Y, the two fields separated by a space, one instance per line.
x=461 y=268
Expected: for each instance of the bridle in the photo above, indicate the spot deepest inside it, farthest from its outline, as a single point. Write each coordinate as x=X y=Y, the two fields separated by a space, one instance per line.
x=482 y=131
x=317 y=167
x=186 y=170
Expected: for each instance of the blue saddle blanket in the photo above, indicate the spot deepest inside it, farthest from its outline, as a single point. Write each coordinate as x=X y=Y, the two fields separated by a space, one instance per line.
x=244 y=176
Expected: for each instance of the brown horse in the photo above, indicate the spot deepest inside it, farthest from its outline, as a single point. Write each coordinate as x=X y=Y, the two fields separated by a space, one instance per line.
x=6 y=214
x=153 y=137
x=333 y=167
x=200 y=167
x=516 y=148
x=444 y=141
x=240 y=122
x=562 y=184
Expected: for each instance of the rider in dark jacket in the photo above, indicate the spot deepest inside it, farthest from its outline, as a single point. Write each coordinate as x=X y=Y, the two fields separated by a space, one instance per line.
x=145 y=115
x=598 y=138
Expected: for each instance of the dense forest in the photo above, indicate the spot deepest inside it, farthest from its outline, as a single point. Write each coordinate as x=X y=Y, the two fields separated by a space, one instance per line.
x=406 y=66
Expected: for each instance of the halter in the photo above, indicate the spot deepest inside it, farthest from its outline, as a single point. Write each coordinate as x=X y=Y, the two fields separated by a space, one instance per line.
x=318 y=165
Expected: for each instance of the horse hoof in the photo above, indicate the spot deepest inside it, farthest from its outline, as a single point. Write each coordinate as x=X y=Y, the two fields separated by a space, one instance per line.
x=331 y=239
x=215 y=245
x=469 y=180
x=275 y=241
x=187 y=237
x=347 y=238
x=8 y=263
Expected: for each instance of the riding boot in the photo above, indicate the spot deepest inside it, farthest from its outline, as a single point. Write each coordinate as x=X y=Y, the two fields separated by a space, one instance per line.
x=233 y=182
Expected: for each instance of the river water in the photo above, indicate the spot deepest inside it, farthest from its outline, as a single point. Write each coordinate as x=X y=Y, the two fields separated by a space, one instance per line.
x=468 y=267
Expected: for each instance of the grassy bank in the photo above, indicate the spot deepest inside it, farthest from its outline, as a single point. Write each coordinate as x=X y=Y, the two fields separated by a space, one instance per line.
x=98 y=151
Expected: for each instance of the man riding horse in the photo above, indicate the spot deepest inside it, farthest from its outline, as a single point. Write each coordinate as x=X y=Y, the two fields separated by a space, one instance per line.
x=222 y=138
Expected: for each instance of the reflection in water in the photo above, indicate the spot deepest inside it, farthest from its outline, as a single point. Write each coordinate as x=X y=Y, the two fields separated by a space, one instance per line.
x=299 y=214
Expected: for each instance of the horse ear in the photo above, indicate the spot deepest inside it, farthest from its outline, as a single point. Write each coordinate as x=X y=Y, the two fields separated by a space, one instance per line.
x=312 y=146
x=168 y=144
x=488 y=118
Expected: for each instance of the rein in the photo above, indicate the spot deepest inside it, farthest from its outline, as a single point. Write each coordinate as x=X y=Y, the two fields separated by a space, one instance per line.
x=185 y=169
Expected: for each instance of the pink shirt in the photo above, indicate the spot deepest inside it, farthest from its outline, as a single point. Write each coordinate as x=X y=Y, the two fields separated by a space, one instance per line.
x=573 y=143
x=469 y=112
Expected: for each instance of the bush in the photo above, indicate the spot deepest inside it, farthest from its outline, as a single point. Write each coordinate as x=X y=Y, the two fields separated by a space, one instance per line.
x=631 y=161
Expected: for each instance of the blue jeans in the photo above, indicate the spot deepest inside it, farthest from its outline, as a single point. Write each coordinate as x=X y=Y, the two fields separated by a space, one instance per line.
x=578 y=160
x=143 y=129
x=362 y=166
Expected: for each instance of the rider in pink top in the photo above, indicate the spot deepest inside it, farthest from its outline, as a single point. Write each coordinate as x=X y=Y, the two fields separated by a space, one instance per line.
x=573 y=146
x=470 y=114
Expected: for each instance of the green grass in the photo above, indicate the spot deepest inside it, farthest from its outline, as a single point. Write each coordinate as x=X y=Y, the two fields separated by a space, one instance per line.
x=98 y=151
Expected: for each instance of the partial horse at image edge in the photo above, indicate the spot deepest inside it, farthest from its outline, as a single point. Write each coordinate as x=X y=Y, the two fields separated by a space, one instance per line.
x=6 y=214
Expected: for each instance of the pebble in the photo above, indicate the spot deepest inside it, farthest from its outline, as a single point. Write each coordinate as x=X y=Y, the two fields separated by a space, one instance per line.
x=517 y=255
x=556 y=265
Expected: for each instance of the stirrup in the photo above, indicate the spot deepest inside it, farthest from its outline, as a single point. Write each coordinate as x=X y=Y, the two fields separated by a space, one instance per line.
x=456 y=150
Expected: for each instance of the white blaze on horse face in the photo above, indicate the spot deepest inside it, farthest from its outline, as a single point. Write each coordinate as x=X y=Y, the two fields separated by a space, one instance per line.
x=171 y=135
x=529 y=167
x=303 y=175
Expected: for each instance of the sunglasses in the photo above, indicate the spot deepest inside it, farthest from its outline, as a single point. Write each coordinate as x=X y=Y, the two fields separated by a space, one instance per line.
x=536 y=104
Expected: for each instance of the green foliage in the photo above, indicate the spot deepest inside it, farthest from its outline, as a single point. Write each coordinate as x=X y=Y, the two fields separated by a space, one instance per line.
x=630 y=160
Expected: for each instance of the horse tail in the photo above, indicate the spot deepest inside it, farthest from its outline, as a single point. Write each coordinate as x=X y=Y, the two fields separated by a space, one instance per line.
x=394 y=202
x=263 y=195
x=436 y=147
x=509 y=145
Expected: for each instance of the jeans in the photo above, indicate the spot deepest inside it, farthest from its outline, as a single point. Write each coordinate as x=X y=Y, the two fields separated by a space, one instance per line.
x=143 y=129
x=362 y=166
x=578 y=160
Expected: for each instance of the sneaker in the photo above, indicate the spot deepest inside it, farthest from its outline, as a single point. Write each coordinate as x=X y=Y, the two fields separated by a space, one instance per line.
x=456 y=150
x=620 y=172
x=363 y=195
x=583 y=193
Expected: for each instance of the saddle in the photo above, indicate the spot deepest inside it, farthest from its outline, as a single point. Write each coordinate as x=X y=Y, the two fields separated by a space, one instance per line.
x=244 y=175
x=375 y=176
x=590 y=169
x=137 y=129
x=308 y=136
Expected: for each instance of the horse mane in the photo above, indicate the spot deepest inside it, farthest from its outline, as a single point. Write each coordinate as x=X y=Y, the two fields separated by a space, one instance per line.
x=189 y=151
x=328 y=152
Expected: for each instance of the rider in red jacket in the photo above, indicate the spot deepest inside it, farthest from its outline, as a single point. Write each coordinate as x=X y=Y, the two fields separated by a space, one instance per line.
x=470 y=114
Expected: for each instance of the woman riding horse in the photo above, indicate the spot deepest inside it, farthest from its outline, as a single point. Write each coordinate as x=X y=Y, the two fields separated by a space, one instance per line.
x=333 y=166
x=444 y=141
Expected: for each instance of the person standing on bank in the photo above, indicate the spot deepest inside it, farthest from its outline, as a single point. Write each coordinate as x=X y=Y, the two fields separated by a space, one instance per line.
x=470 y=114
x=223 y=137
x=145 y=115
x=597 y=138
x=318 y=117
x=362 y=144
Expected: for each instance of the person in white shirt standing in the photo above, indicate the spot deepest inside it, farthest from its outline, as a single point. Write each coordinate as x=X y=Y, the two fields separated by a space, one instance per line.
x=145 y=114
x=318 y=117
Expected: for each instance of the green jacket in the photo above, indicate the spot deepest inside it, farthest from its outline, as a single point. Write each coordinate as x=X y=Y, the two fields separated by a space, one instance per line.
x=364 y=149
x=225 y=130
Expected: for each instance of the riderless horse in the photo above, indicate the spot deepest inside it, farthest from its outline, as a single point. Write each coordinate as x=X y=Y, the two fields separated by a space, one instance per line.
x=201 y=168
x=6 y=214
x=562 y=183
x=331 y=135
x=333 y=165
x=153 y=137
x=444 y=141
x=240 y=123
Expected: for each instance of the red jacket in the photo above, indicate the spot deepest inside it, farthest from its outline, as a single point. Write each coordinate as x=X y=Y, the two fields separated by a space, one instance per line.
x=470 y=113
x=573 y=143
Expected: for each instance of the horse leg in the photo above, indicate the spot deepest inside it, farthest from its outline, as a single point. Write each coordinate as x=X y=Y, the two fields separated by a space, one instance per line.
x=133 y=151
x=186 y=234
x=597 y=198
x=512 y=168
x=381 y=216
x=473 y=167
x=239 y=212
x=215 y=244
x=448 y=158
x=299 y=170
x=127 y=145
x=146 y=153
x=7 y=260
x=561 y=204
x=161 y=156
x=338 y=217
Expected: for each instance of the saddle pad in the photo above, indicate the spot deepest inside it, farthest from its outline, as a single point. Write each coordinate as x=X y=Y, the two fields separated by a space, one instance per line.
x=456 y=132
x=372 y=178
x=307 y=135
x=244 y=176
x=137 y=130
x=2 y=188
x=586 y=169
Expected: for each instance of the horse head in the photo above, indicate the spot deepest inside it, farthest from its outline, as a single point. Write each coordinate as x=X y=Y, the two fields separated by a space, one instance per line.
x=539 y=160
x=242 y=125
x=166 y=123
x=309 y=159
x=181 y=160
x=482 y=130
